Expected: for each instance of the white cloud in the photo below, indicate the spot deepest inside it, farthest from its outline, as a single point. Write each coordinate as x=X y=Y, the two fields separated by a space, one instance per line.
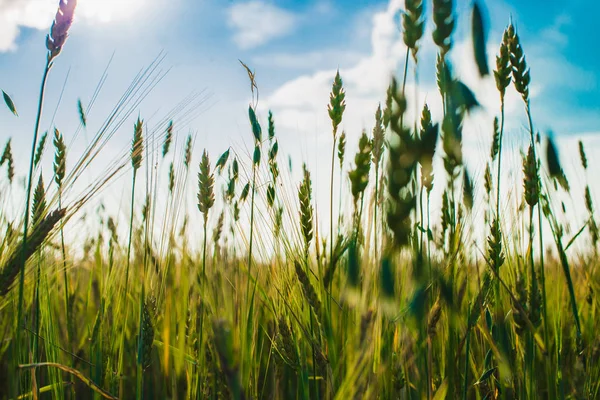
x=300 y=101
x=300 y=105
x=38 y=14
x=308 y=60
x=256 y=23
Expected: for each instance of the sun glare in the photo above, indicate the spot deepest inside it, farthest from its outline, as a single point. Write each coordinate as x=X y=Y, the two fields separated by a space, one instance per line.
x=106 y=11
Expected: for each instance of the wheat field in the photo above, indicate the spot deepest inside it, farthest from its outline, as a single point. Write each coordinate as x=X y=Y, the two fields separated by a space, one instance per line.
x=403 y=295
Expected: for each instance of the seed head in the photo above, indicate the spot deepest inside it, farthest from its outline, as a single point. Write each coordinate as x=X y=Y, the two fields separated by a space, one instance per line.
x=378 y=137
x=520 y=71
x=532 y=180
x=168 y=139
x=206 y=180
x=582 y=156
x=359 y=177
x=444 y=25
x=137 y=146
x=59 y=32
x=342 y=148
x=337 y=103
x=60 y=156
x=306 y=208
x=503 y=66
x=7 y=157
x=413 y=24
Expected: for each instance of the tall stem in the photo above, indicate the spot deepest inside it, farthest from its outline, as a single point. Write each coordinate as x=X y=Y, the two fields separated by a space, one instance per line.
x=541 y=244
x=203 y=278
x=126 y=287
x=375 y=213
x=331 y=208
x=65 y=276
x=26 y=219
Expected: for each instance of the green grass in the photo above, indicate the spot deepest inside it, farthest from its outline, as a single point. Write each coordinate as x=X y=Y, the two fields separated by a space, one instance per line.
x=387 y=304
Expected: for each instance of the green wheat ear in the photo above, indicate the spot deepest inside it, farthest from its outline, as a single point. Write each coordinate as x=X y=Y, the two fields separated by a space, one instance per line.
x=38 y=207
x=503 y=65
x=307 y=288
x=359 y=177
x=444 y=25
x=495 y=140
x=488 y=183
x=137 y=145
x=171 y=178
x=520 y=71
x=40 y=232
x=60 y=158
x=413 y=23
x=337 y=103
x=532 y=180
x=187 y=159
x=206 y=181
x=403 y=150
x=306 y=208
x=468 y=190
x=7 y=157
x=342 y=148
x=148 y=317
x=582 y=155
x=168 y=139
x=378 y=137
x=428 y=137
x=40 y=149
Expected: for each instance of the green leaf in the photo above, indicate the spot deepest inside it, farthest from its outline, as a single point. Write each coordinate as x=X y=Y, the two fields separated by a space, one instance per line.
x=479 y=39
x=463 y=96
x=10 y=104
x=387 y=278
x=353 y=264
x=442 y=391
x=486 y=375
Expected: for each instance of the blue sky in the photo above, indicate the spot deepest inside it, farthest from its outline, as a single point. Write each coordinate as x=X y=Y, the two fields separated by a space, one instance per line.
x=295 y=47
